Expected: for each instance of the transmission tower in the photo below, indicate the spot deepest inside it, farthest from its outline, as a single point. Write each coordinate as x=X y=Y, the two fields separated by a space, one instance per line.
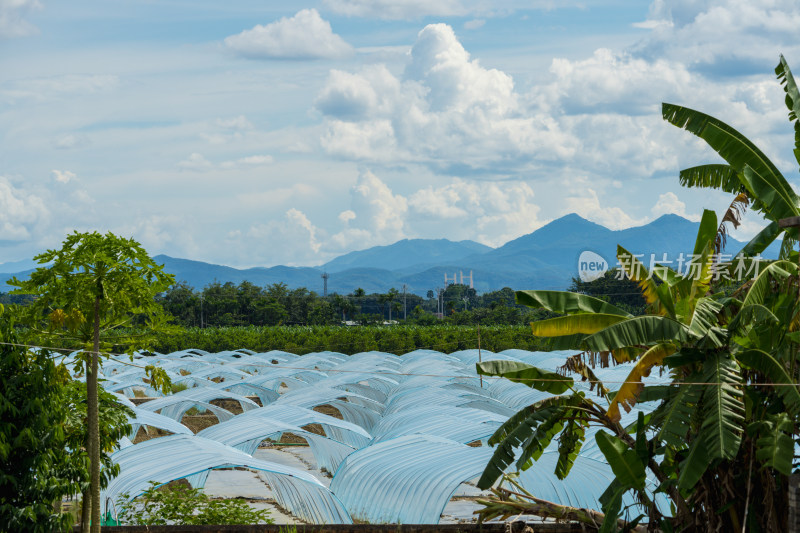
x=325 y=277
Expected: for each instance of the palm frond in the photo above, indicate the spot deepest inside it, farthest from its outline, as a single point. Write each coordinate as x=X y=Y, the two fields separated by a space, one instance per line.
x=629 y=391
x=518 y=430
x=638 y=331
x=569 y=325
x=723 y=403
x=731 y=145
x=673 y=417
x=767 y=365
x=792 y=100
x=567 y=302
x=763 y=238
x=776 y=196
x=733 y=216
x=713 y=176
x=775 y=446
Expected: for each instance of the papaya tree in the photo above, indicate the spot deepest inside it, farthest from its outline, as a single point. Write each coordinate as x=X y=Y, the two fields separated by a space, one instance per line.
x=88 y=295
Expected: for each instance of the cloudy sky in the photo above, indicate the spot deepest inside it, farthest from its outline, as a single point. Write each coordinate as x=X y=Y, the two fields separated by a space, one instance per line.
x=263 y=132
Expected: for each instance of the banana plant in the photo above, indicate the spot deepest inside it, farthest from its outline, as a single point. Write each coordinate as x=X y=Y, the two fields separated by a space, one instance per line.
x=748 y=171
x=726 y=425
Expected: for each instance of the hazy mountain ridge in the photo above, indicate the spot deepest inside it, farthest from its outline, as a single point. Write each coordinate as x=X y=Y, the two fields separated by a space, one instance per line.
x=544 y=259
x=405 y=254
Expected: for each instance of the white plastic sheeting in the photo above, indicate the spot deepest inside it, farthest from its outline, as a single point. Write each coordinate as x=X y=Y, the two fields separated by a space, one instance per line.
x=247 y=432
x=143 y=417
x=400 y=450
x=178 y=456
x=407 y=480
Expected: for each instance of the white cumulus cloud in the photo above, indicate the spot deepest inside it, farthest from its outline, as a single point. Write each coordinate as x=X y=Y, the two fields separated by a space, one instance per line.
x=722 y=36
x=376 y=216
x=63 y=176
x=447 y=110
x=304 y=36
x=294 y=237
x=20 y=212
x=491 y=213
x=669 y=203
x=588 y=205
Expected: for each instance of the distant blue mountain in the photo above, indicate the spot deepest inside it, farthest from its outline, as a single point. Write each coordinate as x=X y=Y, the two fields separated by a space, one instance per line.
x=406 y=254
x=199 y=274
x=18 y=266
x=548 y=257
x=544 y=259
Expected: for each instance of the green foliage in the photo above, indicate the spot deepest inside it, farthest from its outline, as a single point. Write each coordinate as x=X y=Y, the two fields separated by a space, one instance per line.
x=733 y=363
x=615 y=289
x=229 y=305
x=397 y=339
x=15 y=299
x=114 y=424
x=532 y=429
x=36 y=470
x=748 y=169
x=88 y=294
x=567 y=302
x=178 y=504
x=775 y=445
x=721 y=443
x=112 y=272
x=624 y=462
x=526 y=374
x=723 y=407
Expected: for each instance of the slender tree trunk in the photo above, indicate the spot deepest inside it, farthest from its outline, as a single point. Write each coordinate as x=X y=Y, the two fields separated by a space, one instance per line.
x=86 y=505
x=92 y=409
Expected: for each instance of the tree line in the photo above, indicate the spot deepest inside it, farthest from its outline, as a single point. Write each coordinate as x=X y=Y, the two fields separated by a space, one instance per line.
x=246 y=304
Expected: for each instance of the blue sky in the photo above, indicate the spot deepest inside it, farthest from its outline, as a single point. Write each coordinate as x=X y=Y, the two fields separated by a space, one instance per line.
x=259 y=133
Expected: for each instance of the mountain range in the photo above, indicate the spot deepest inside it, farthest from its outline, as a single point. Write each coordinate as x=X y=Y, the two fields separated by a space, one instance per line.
x=544 y=259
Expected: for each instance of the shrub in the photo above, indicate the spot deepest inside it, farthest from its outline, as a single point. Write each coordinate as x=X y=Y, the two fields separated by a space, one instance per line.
x=179 y=504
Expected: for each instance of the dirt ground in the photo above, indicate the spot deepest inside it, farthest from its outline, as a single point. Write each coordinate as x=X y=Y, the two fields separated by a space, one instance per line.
x=199 y=422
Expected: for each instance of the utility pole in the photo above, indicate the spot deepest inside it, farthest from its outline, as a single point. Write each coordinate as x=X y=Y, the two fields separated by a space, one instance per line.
x=480 y=359
x=405 y=287
x=201 y=311
x=325 y=277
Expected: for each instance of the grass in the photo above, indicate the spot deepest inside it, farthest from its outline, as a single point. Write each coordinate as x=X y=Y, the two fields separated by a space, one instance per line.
x=177 y=387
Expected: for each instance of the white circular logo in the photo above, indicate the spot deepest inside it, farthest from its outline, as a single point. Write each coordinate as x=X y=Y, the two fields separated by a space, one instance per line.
x=591 y=266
